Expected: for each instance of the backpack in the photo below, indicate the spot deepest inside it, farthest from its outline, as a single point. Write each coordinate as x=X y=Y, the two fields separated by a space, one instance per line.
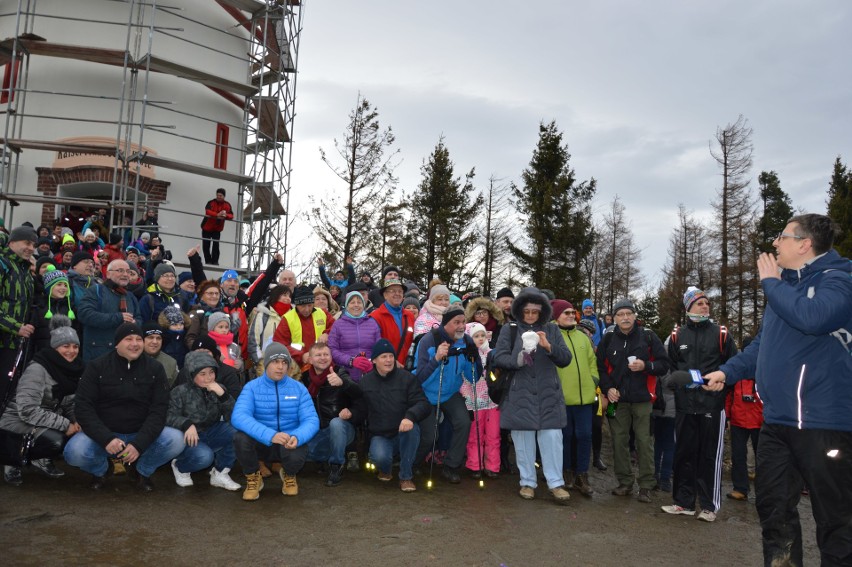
x=497 y=379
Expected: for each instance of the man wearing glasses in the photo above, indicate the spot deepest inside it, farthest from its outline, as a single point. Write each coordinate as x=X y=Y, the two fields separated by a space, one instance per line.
x=104 y=308
x=802 y=363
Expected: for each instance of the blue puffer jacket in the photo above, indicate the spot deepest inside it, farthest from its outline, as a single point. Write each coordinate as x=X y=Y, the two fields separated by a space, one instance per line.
x=803 y=368
x=266 y=407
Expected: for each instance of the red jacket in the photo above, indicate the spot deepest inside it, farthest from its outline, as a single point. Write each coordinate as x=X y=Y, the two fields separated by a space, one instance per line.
x=284 y=335
x=748 y=415
x=390 y=330
x=212 y=223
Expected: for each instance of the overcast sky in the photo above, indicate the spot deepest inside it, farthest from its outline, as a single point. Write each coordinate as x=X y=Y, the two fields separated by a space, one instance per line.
x=637 y=88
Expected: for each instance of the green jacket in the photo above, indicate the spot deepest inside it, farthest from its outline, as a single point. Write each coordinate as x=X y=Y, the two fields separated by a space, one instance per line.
x=16 y=296
x=580 y=378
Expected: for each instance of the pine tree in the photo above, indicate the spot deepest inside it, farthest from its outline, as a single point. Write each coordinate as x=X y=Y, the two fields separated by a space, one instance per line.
x=557 y=218
x=777 y=210
x=840 y=207
x=347 y=226
x=443 y=212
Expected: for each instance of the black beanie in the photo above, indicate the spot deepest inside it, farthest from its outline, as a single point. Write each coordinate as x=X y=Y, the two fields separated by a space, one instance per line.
x=381 y=347
x=125 y=330
x=80 y=256
x=206 y=342
x=505 y=292
x=449 y=314
x=23 y=233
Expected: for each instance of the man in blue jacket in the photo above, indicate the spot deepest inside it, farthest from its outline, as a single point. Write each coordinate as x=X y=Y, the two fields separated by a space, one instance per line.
x=444 y=356
x=803 y=366
x=274 y=418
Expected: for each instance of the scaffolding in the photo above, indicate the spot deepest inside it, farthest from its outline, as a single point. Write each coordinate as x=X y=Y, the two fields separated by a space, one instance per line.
x=271 y=30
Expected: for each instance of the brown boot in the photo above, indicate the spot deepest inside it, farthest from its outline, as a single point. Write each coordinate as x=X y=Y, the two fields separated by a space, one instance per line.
x=581 y=483
x=254 y=484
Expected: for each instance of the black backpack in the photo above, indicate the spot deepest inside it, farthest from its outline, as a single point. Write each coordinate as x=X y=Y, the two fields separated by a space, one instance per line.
x=499 y=379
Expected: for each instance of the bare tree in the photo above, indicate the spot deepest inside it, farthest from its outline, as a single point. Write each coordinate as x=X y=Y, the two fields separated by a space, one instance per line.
x=495 y=234
x=617 y=258
x=733 y=153
x=346 y=225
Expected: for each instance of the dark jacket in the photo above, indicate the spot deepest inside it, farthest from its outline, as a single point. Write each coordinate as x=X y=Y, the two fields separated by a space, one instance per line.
x=16 y=296
x=613 y=350
x=190 y=405
x=152 y=303
x=117 y=396
x=225 y=375
x=534 y=400
x=392 y=398
x=330 y=400
x=801 y=364
x=100 y=313
x=696 y=346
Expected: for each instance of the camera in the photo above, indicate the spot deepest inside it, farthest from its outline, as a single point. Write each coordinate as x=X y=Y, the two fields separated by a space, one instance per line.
x=748 y=398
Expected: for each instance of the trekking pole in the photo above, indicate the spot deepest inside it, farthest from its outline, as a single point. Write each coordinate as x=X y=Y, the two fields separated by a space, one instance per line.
x=437 y=415
x=476 y=423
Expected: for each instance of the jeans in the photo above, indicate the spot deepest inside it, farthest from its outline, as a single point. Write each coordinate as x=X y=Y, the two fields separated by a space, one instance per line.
x=455 y=410
x=739 y=455
x=664 y=447
x=550 y=444
x=82 y=452
x=329 y=444
x=216 y=443
x=635 y=416
x=579 y=424
x=382 y=450
x=251 y=452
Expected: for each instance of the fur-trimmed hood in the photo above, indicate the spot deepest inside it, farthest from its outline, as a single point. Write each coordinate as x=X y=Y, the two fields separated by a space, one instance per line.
x=531 y=295
x=478 y=303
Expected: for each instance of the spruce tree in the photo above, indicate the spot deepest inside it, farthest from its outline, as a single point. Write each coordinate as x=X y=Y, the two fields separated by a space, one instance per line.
x=777 y=210
x=840 y=207
x=556 y=218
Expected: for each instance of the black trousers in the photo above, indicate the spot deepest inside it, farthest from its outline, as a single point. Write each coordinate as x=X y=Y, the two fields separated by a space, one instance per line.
x=699 y=440
x=211 y=256
x=7 y=360
x=739 y=455
x=455 y=410
x=249 y=452
x=787 y=459
x=47 y=445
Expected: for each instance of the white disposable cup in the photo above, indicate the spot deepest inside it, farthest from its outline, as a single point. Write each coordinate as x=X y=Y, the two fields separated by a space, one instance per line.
x=631 y=359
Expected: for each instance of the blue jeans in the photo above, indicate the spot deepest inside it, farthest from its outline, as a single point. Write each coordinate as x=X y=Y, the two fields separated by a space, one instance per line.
x=85 y=454
x=550 y=444
x=579 y=424
x=382 y=450
x=216 y=443
x=664 y=447
x=329 y=444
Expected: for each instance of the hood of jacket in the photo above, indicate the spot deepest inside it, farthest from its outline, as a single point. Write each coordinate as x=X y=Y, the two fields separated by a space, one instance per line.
x=531 y=295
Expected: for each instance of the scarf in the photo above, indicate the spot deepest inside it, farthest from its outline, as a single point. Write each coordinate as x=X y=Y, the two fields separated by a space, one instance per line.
x=491 y=324
x=223 y=341
x=317 y=380
x=697 y=318
x=66 y=374
x=281 y=308
x=118 y=290
x=436 y=310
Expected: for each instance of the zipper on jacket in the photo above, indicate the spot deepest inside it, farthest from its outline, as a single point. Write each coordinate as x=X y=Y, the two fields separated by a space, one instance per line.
x=579 y=378
x=277 y=406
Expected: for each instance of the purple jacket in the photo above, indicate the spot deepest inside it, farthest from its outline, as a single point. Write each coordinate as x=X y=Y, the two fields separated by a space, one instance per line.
x=349 y=337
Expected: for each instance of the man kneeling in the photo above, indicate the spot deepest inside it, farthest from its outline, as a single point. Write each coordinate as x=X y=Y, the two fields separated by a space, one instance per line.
x=274 y=418
x=121 y=405
x=340 y=407
x=395 y=405
x=202 y=410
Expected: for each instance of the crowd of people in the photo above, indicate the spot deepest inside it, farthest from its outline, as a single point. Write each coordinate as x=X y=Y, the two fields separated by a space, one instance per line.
x=119 y=364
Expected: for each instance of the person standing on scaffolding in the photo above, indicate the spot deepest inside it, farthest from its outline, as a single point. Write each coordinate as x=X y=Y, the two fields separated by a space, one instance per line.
x=216 y=212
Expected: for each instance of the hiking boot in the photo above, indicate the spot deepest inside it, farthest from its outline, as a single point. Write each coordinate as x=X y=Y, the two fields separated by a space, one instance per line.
x=450 y=475
x=181 y=478
x=561 y=495
x=676 y=510
x=644 y=495
x=569 y=478
x=492 y=474
x=352 y=464
x=474 y=474
x=707 y=516
x=599 y=464
x=221 y=479
x=737 y=495
x=264 y=470
x=622 y=490
x=385 y=476
x=144 y=483
x=335 y=475
x=290 y=486
x=47 y=467
x=527 y=492
x=98 y=482
x=407 y=485
x=581 y=483
x=13 y=476
x=254 y=484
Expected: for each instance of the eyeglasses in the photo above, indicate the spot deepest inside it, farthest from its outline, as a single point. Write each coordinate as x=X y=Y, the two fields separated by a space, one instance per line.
x=531 y=311
x=569 y=312
x=120 y=271
x=783 y=235
x=167 y=275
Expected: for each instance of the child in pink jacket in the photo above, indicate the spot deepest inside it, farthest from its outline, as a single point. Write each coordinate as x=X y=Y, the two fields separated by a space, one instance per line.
x=483 y=445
